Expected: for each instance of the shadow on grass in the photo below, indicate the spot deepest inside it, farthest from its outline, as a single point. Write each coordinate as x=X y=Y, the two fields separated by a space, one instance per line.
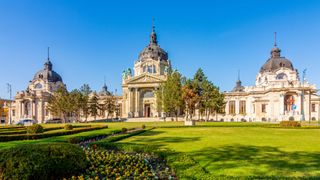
x=164 y=140
x=151 y=133
x=259 y=161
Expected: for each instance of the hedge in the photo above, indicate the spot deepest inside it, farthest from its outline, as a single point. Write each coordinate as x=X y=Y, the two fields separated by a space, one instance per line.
x=5 y=138
x=119 y=137
x=290 y=124
x=22 y=129
x=78 y=139
x=45 y=161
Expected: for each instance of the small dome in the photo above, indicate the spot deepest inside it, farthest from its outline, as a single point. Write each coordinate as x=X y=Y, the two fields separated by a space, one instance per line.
x=276 y=62
x=104 y=91
x=48 y=74
x=238 y=87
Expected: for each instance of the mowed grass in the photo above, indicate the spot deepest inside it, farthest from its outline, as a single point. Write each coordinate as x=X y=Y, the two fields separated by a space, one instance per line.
x=243 y=151
x=112 y=126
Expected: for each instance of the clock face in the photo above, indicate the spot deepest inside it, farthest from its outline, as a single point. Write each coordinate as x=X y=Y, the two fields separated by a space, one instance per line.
x=38 y=86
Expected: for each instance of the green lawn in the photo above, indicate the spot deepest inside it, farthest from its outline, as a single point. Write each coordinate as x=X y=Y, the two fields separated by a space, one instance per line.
x=232 y=149
x=243 y=151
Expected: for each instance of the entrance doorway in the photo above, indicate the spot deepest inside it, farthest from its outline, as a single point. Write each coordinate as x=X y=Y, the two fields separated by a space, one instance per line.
x=147 y=110
x=289 y=103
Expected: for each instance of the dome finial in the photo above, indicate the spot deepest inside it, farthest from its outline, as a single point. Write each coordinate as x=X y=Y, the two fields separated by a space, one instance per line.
x=153 y=26
x=48 y=64
x=238 y=87
x=275 y=38
x=275 y=51
x=153 y=36
x=48 y=53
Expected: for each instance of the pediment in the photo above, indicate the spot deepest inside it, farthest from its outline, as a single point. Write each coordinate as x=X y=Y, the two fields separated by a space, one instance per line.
x=145 y=78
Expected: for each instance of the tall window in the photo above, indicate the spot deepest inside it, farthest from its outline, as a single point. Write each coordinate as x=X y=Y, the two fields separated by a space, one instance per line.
x=313 y=107
x=263 y=108
x=242 y=105
x=288 y=102
x=232 y=108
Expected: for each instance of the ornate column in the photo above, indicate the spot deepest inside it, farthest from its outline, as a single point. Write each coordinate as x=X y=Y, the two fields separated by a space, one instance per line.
x=40 y=113
x=30 y=111
x=136 y=113
x=281 y=105
x=33 y=109
x=22 y=110
x=129 y=102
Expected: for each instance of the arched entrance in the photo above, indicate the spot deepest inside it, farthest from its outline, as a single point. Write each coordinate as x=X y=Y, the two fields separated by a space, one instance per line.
x=289 y=102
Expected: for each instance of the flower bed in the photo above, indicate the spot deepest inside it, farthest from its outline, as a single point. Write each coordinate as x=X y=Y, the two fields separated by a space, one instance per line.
x=109 y=164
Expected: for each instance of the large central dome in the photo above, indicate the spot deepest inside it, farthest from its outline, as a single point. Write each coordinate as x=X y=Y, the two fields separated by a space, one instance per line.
x=48 y=74
x=153 y=50
x=276 y=62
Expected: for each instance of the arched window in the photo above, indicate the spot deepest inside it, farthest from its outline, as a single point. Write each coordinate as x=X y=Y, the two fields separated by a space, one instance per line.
x=154 y=69
x=149 y=69
x=281 y=76
x=148 y=94
x=38 y=86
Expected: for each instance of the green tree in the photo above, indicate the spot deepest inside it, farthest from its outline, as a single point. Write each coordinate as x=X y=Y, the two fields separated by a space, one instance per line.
x=94 y=106
x=190 y=97
x=198 y=82
x=211 y=99
x=60 y=104
x=169 y=95
x=85 y=90
x=110 y=105
x=76 y=98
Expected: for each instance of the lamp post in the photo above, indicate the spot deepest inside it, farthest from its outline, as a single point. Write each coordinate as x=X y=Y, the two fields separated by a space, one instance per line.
x=302 y=96
x=10 y=95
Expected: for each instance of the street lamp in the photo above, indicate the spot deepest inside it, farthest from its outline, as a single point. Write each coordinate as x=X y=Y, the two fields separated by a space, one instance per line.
x=10 y=93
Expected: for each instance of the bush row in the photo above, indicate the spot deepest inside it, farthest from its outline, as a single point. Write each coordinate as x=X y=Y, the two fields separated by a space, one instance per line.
x=22 y=129
x=78 y=139
x=45 y=161
x=106 y=142
x=290 y=124
x=5 y=138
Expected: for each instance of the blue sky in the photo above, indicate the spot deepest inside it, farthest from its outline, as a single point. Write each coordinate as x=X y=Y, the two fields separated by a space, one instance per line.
x=96 y=38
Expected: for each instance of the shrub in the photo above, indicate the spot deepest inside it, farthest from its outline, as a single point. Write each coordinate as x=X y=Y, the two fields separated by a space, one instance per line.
x=124 y=130
x=35 y=129
x=5 y=138
x=290 y=124
x=45 y=161
x=143 y=126
x=68 y=127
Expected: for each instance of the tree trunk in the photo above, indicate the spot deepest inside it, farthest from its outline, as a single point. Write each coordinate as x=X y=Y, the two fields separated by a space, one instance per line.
x=216 y=115
x=176 y=113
